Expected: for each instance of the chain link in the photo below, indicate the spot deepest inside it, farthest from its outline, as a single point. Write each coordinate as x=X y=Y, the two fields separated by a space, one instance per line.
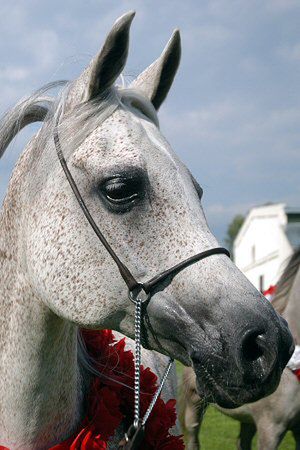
x=137 y=368
x=158 y=391
x=137 y=359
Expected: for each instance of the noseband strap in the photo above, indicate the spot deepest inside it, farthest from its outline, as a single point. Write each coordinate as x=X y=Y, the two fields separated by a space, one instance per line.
x=133 y=285
x=169 y=274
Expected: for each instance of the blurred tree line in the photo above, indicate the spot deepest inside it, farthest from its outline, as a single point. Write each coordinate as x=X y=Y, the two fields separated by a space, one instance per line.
x=232 y=231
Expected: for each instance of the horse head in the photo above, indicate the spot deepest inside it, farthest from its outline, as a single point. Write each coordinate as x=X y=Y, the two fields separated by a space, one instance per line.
x=148 y=206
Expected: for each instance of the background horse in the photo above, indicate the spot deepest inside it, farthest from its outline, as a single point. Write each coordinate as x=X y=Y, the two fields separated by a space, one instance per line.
x=56 y=276
x=272 y=416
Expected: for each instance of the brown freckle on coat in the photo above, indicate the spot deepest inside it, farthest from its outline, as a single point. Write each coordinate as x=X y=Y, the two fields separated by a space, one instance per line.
x=4 y=255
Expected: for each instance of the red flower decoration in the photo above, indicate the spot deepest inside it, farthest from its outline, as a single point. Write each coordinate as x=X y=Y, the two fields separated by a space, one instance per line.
x=297 y=373
x=111 y=400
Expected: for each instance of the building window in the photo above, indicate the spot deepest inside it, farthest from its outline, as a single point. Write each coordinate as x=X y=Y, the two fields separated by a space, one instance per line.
x=253 y=253
x=261 y=283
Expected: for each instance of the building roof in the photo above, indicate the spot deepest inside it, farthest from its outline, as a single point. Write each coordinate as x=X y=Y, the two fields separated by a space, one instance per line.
x=291 y=223
x=292 y=209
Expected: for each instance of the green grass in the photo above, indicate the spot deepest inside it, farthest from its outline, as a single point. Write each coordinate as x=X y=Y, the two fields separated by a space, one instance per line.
x=220 y=432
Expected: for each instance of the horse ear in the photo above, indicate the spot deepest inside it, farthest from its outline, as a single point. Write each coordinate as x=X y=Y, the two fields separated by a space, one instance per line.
x=156 y=80
x=110 y=62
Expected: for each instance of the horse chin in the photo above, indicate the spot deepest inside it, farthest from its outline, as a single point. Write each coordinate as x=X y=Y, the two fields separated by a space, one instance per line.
x=232 y=396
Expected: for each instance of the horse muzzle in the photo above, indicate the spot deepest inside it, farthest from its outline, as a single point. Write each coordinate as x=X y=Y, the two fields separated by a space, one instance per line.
x=249 y=366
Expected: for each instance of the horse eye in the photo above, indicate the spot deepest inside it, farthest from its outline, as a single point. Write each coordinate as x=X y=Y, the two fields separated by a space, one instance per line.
x=122 y=191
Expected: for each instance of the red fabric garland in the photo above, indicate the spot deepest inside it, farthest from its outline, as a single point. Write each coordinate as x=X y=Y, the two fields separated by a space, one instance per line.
x=270 y=292
x=111 y=401
x=297 y=373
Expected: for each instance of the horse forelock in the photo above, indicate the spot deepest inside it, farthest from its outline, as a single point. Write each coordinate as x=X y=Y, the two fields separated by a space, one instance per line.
x=285 y=282
x=75 y=124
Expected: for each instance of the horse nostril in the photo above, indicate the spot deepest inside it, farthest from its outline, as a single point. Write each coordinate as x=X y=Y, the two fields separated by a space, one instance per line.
x=257 y=356
x=252 y=346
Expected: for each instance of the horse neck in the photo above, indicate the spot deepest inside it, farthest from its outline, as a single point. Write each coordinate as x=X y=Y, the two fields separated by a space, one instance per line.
x=40 y=386
x=292 y=310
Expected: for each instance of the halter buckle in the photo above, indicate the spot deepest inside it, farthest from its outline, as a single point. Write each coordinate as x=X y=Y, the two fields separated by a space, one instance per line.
x=133 y=438
x=138 y=293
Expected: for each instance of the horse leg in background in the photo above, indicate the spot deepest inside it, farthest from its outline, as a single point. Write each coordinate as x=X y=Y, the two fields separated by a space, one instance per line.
x=194 y=414
x=247 y=432
x=269 y=435
x=191 y=409
x=296 y=434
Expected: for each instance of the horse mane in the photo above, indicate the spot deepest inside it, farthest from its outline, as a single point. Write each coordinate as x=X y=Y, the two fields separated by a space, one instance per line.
x=34 y=108
x=285 y=282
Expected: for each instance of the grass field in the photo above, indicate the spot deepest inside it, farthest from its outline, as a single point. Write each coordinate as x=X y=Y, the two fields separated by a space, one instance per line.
x=220 y=432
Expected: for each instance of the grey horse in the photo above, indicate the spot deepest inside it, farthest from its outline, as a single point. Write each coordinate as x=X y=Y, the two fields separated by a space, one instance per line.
x=272 y=416
x=56 y=276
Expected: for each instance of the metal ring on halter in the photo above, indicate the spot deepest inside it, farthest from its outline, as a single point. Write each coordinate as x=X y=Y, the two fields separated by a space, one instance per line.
x=135 y=293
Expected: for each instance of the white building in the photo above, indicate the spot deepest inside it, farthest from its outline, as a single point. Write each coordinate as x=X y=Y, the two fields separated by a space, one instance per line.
x=268 y=236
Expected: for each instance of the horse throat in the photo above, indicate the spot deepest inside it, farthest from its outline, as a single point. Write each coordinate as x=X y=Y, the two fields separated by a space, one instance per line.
x=41 y=394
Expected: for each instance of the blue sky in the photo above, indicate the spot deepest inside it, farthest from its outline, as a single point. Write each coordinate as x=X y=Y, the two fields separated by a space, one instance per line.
x=233 y=114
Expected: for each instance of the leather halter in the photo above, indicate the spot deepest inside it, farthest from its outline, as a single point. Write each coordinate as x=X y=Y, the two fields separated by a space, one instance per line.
x=140 y=294
x=133 y=285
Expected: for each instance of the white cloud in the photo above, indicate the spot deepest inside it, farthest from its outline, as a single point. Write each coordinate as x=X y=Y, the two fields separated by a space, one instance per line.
x=233 y=122
x=218 y=211
x=13 y=16
x=13 y=73
x=252 y=65
x=290 y=53
x=279 y=6
x=43 y=49
x=201 y=35
x=201 y=123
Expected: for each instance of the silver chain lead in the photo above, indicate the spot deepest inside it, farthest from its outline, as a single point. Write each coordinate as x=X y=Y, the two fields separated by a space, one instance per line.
x=158 y=391
x=137 y=368
x=137 y=359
